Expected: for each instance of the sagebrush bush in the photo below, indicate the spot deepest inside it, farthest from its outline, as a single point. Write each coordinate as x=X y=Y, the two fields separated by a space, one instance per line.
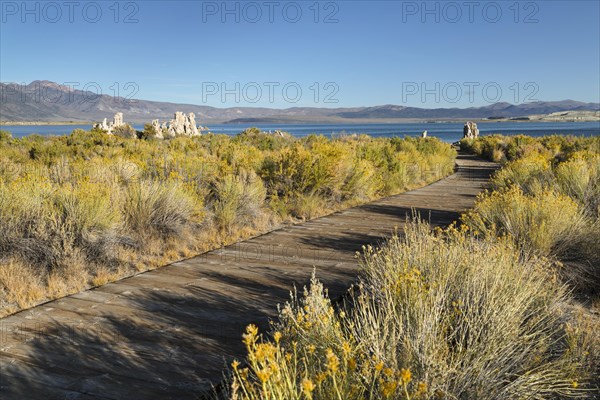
x=434 y=316
x=307 y=206
x=579 y=178
x=478 y=312
x=547 y=198
x=531 y=173
x=362 y=182
x=158 y=208
x=238 y=200
x=125 y=131
x=544 y=223
x=5 y=135
x=556 y=147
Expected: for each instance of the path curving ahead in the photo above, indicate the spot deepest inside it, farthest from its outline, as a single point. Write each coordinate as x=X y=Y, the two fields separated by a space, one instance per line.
x=168 y=333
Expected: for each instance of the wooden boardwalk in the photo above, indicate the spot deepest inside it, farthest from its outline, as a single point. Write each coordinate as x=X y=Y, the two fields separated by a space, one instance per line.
x=168 y=333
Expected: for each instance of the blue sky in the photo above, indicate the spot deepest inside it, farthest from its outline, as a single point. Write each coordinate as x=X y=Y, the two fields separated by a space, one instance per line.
x=307 y=53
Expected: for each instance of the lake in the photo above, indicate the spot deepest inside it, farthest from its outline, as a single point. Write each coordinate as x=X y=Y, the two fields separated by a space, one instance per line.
x=448 y=132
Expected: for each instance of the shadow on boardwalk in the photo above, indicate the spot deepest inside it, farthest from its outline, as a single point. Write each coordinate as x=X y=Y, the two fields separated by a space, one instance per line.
x=168 y=333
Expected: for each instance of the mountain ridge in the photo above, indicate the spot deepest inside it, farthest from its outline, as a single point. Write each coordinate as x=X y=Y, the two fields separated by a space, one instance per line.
x=47 y=101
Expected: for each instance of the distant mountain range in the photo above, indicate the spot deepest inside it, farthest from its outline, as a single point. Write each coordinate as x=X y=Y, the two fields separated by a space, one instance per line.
x=46 y=101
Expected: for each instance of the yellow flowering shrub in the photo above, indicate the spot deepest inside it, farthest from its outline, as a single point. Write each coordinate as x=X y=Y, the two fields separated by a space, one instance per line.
x=104 y=206
x=435 y=315
x=545 y=223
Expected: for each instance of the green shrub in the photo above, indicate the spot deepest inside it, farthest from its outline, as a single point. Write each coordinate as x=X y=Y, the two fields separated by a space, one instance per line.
x=149 y=132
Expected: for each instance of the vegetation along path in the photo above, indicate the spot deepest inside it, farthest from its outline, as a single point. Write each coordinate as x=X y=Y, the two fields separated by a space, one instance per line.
x=168 y=333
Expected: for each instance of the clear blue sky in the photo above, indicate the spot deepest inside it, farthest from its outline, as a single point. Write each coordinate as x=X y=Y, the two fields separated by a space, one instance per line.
x=357 y=52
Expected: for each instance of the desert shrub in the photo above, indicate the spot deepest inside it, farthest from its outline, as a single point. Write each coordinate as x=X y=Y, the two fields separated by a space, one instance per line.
x=9 y=169
x=161 y=208
x=547 y=199
x=263 y=140
x=579 y=178
x=353 y=169
x=85 y=140
x=125 y=131
x=29 y=223
x=554 y=147
x=530 y=173
x=149 y=132
x=288 y=172
x=19 y=284
x=434 y=316
x=100 y=206
x=307 y=206
x=46 y=225
x=238 y=200
x=85 y=214
x=485 y=146
x=361 y=182
x=5 y=136
x=545 y=223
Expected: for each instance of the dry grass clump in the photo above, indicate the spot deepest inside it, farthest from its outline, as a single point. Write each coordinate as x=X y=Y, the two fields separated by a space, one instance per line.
x=20 y=287
x=435 y=316
x=87 y=208
x=238 y=201
x=155 y=208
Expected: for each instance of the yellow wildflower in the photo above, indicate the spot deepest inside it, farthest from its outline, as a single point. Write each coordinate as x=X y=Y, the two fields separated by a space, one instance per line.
x=263 y=374
x=307 y=387
x=352 y=364
x=333 y=361
x=405 y=375
x=388 y=388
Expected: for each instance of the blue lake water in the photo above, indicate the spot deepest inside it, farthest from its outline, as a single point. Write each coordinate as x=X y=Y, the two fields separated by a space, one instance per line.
x=449 y=132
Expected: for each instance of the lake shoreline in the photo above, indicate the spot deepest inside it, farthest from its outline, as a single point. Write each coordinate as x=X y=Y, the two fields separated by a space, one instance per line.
x=359 y=121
